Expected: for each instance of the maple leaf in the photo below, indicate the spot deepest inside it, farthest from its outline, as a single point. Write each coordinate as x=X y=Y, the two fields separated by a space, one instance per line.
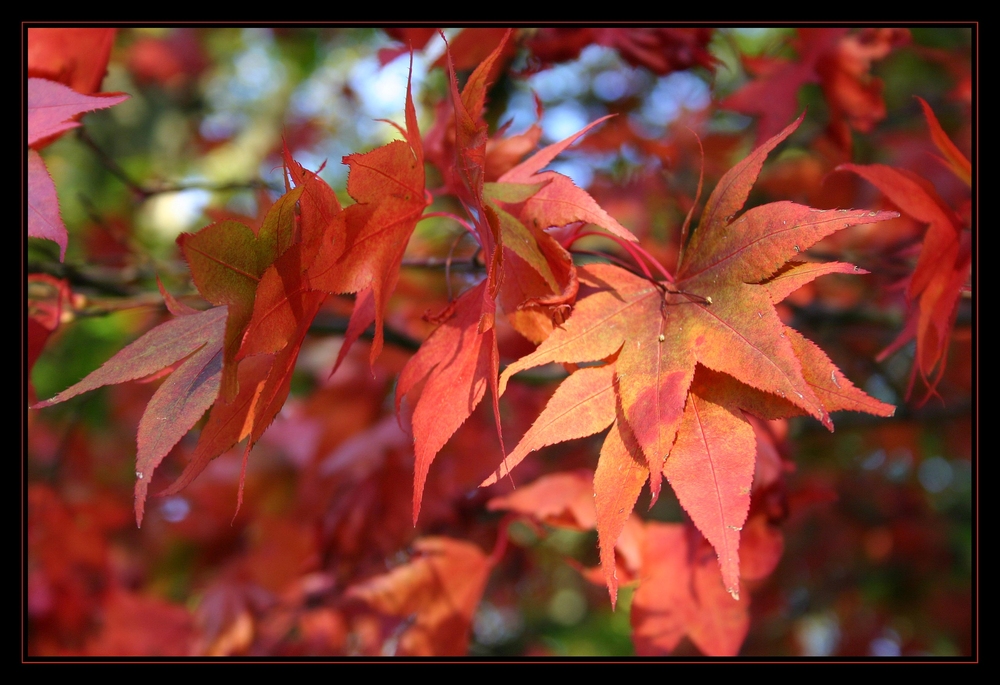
x=263 y=278
x=452 y=369
x=180 y=401
x=560 y=201
x=44 y=219
x=364 y=256
x=461 y=357
x=51 y=108
x=685 y=358
x=228 y=261
x=242 y=351
x=561 y=499
x=945 y=257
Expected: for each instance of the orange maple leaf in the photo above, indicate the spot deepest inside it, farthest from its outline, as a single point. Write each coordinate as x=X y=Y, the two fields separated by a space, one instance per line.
x=685 y=358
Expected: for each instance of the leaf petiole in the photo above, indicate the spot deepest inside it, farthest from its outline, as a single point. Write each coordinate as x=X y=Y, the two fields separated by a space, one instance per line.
x=636 y=251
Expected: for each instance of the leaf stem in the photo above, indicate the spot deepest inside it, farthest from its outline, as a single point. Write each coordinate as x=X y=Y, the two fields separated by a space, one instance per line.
x=448 y=215
x=685 y=228
x=637 y=252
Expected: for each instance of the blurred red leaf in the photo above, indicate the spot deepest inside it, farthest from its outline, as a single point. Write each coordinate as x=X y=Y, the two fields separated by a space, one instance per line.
x=472 y=46
x=559 y=499
x=134 y=624
x=171 y=61
x=682 y=594
x=661 y=50
x=412 y=39
x=46 y=298
x=839 y=61
x=76 y=57
x=438 y=591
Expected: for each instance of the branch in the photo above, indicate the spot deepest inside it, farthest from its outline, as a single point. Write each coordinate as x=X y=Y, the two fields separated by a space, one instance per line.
x=144 y=192
x=117 y=282
x=328 y=324
x=468 y=265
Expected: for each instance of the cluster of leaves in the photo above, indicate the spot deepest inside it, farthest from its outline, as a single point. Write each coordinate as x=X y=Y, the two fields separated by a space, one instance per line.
x=683 y=367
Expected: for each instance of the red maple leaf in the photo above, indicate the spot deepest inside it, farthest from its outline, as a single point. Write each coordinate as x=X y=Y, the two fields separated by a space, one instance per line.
x=181 y=400
x=242 y=351
x=685 y=357
x=363 y=254
x=460 y=358
x=262 y=276
x=52 y=108
x=527 y=269
x=228 y=261
x=945 y=260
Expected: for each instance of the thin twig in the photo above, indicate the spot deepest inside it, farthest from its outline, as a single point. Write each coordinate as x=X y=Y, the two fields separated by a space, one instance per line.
x=144 y=193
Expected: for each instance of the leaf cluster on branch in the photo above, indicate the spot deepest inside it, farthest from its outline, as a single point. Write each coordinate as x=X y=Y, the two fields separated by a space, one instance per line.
x=682 y=367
